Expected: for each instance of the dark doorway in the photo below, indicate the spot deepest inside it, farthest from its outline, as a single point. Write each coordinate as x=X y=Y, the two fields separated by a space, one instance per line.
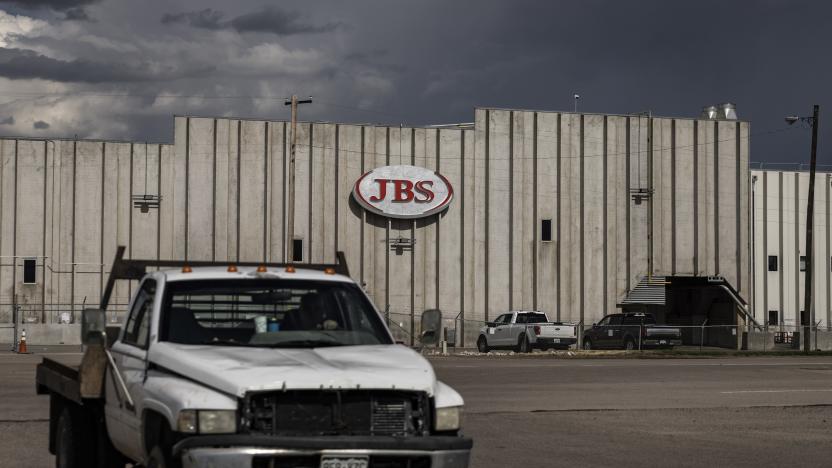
x=692 y=302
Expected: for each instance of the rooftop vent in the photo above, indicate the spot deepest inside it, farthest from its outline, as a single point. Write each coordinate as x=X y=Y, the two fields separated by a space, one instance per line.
x=710 y=113
x=727 y=111
x=724 y=111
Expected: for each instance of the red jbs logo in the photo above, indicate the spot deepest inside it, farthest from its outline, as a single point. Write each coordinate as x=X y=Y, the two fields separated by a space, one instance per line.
x=403 y=191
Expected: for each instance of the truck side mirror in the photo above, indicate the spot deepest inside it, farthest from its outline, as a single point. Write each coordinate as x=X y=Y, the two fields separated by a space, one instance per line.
x=431 y=326
x=490 y=324
x=93 y=327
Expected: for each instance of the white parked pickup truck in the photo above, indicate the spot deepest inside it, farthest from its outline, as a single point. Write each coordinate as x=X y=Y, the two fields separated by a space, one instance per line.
x=525 y=330
x=248 y=365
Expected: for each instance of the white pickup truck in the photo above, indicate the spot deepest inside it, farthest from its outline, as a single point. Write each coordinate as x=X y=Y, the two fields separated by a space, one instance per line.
x=523 y=331
x=248 y=365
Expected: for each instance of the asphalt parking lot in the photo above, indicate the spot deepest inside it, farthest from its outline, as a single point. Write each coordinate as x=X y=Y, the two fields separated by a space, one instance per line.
x=530 y=412
x=726 y=411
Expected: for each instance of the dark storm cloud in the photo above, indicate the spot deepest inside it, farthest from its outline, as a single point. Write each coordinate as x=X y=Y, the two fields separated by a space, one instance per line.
x=40 y=125
x=276 y=21
x=77 y=14
x=7 y=121
x=205 y=19
x=21 y=64
x=267 y=20
x=60 y=5
x=424 y=62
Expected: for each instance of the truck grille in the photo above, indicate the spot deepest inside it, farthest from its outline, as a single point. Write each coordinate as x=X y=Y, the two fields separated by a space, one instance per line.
x=336 y=412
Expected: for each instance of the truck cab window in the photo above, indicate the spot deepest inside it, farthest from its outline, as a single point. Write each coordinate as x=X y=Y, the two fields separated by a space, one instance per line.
x=138 y=323
x=615 y=320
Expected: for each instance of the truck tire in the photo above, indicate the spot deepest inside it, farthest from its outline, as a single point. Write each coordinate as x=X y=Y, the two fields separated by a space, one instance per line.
x=587 y=344
x=482 y=344
x=107 y=455
x=523 y=345
x=629 y=344
x=156 y=458
x=72 y=449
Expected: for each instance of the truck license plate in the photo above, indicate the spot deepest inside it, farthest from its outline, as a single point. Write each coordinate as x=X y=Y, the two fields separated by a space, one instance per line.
x=344 y=462
x=556 y=340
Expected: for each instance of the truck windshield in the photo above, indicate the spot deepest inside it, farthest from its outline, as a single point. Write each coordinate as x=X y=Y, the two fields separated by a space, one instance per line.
x=646 y=319
x=531 y=317
x=269 y=313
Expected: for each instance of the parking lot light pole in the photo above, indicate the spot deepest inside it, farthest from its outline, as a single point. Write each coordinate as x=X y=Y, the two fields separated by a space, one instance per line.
x=807 y=298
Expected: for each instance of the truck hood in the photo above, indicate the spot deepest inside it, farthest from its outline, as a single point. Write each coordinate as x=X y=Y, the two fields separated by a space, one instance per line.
x=237 y=370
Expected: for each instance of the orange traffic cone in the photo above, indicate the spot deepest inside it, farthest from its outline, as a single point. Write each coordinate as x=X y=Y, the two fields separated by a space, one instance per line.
x=21 y=345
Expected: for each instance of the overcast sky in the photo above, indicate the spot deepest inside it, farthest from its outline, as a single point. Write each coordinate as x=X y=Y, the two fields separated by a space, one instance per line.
x=119 y=69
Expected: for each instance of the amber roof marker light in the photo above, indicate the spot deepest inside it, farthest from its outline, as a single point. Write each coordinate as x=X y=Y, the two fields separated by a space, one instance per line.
x=262 y=269
x=232 y=268
x=187 y=269
x=290 y=269
x=329 y=270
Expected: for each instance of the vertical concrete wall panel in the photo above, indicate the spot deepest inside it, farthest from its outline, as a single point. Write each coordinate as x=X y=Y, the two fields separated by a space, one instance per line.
x=253 y=178
x=277 y=152
x=8 y=187
x=706 y=207
x=727 y=188
x=594 y=188
x=167 y=182
x=662 y=199
x=500 y=219
x=639 y=212
x=222 y=197
x=449 y=253
x=546 y=179
x=349 y=211
x=479 y=222
x=684 y=198
x=618 y=200
x=572 y=229
x=200 y=197
x=88 y=202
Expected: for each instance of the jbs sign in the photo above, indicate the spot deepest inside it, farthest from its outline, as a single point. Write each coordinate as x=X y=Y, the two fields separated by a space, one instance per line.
x=403 y=191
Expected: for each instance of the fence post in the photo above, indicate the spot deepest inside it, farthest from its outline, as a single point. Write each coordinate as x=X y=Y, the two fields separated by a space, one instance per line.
x=640 y=334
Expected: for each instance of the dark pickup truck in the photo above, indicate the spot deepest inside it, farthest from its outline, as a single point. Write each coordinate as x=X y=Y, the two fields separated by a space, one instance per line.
x=631 y=331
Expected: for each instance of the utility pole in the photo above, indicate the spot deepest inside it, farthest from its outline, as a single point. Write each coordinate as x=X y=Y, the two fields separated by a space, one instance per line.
x=807 y=305
x=290 y=231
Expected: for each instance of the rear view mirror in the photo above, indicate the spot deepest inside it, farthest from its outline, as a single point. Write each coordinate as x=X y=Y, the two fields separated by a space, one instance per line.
x=93 y=327
x=431 y=325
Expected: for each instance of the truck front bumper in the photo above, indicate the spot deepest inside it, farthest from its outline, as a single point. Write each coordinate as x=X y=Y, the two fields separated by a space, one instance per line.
x=240 y=450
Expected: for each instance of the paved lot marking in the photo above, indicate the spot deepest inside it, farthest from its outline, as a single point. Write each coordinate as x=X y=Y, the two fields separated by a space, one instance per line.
x=798 y=390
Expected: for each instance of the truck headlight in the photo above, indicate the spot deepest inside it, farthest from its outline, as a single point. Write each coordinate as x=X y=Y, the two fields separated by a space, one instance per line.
x=207 y=421
x=448 y=419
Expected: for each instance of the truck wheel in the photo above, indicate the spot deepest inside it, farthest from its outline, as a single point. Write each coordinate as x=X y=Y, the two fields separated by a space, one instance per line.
x=107 y=455
x=482 y=345
x=157 y=459
x=523 y=345
x=629 y=344
x=71 y=449
x=588 y=344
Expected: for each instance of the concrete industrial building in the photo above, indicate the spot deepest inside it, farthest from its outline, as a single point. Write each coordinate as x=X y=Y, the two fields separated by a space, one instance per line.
x=562 y=212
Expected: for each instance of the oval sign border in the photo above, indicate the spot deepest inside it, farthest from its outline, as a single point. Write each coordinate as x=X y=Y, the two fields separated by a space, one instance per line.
x=356 y=193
